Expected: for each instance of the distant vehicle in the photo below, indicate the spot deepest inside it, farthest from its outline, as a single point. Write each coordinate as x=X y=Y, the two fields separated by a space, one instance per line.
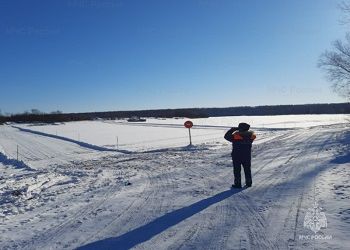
x=136 y=119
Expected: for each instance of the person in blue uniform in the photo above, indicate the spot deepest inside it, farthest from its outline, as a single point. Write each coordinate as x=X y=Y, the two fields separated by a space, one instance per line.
x=242 y=139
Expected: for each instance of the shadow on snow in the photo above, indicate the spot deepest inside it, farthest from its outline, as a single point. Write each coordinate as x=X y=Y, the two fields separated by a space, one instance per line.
x=344 y=155
x=80 y=143
x=4 y=159
x=146 y=232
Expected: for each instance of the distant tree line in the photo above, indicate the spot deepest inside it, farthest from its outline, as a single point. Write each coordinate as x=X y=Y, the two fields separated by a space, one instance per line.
x=303 y=109
x=57 y=116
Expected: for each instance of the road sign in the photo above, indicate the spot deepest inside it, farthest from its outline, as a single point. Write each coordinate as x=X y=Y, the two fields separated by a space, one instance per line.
x=188 y=124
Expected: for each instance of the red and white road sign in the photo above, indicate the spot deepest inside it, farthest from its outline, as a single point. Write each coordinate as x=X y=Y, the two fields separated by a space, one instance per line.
x=188 y=124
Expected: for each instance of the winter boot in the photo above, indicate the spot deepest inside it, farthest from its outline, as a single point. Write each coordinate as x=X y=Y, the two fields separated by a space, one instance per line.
x=236 y=186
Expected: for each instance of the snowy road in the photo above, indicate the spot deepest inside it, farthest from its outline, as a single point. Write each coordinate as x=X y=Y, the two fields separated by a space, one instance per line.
x=177 y=198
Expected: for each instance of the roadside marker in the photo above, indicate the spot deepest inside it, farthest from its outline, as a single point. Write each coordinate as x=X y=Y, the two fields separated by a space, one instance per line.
x=189 y=125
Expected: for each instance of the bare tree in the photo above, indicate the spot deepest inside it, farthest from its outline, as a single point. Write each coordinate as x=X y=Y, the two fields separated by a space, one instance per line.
x=336 y=63
x=345 y=8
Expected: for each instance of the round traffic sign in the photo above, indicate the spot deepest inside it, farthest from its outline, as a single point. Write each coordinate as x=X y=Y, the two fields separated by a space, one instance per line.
x=188 y=124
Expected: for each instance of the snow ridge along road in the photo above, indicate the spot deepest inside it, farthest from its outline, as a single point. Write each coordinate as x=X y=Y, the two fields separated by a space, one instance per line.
x=178 y=198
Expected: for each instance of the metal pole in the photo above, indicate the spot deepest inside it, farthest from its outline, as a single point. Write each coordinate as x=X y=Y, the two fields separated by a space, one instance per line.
x=117 y=142
x=189 y=133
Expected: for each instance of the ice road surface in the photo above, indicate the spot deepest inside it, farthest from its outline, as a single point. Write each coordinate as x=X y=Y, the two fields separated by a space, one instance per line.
x=73 y=186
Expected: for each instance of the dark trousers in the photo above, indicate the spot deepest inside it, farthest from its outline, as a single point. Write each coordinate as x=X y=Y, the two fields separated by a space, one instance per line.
x=247 y=172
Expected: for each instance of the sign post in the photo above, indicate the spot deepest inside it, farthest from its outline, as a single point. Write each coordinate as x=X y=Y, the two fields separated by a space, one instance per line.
x=189 y=125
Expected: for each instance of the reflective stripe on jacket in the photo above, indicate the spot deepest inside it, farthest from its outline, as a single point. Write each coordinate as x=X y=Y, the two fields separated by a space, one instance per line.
x=241 y=144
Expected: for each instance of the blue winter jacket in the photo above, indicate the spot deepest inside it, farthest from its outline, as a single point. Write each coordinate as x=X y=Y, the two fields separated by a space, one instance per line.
x=241 y=143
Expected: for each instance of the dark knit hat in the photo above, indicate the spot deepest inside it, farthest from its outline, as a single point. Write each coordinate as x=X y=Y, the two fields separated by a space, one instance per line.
x=243 y=126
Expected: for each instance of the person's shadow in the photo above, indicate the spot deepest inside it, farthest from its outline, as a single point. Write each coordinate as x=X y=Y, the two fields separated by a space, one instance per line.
x=157 y=226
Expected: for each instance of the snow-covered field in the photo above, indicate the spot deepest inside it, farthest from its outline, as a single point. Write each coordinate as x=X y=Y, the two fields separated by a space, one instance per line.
x=118 y=185
x=158 y=133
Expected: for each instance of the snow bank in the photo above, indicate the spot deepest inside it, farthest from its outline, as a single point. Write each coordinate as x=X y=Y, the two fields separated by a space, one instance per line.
x=4 y=159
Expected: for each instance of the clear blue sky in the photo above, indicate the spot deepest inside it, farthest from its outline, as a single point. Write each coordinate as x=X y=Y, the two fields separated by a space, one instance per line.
x=99 y=55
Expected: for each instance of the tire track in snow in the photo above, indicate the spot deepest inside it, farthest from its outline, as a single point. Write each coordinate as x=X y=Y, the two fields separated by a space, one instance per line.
x=293 y=223
x=196 y=173
x=195 y=231
x=96 y=235
x=72 y=221
x=291 y=172
x=158 y=178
